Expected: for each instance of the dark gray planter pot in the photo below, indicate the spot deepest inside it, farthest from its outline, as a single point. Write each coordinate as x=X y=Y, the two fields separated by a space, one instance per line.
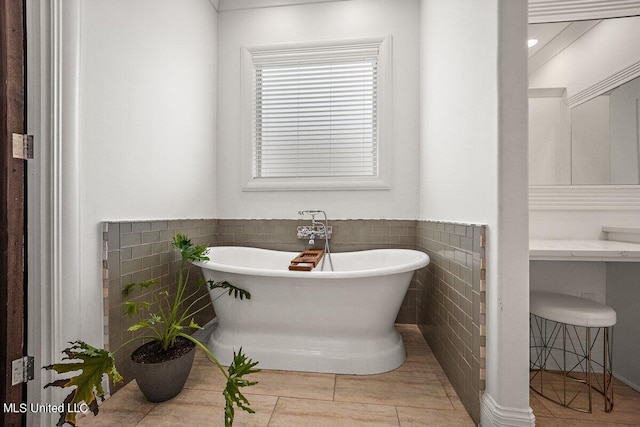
x=160 y=382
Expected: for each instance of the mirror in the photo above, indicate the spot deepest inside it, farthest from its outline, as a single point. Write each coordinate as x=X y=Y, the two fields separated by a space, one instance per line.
x=584 y=103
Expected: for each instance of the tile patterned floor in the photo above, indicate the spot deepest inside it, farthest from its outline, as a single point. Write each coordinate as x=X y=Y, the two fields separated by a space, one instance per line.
x=416 y=394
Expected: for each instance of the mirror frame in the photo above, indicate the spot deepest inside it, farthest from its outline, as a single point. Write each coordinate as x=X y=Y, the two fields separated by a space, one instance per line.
x=585 y=197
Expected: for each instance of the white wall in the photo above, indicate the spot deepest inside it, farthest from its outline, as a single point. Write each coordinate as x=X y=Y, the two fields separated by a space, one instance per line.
x=313 y=22
x=458 y=111
x=473 y=163
x=145 y=137
x=582 y=279
x=623 y=294
x=147 y=102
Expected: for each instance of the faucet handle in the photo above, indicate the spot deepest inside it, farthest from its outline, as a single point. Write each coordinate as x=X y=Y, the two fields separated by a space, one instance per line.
x=313 y=232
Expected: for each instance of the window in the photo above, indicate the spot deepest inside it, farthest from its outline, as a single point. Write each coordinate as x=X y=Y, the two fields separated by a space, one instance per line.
x=317 y=117
x=315 y=114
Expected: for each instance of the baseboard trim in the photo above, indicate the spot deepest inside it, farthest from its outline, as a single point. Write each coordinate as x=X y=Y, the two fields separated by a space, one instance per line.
x=494 y=415
x=627 y=381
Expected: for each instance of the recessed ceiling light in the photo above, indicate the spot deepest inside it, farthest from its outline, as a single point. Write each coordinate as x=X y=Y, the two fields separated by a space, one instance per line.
x=532 y=42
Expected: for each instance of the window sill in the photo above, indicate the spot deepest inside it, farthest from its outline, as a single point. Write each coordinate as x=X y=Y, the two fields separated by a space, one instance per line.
x=315 y=184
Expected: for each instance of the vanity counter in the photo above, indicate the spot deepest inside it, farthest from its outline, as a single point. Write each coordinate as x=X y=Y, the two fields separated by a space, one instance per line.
x=583 y=250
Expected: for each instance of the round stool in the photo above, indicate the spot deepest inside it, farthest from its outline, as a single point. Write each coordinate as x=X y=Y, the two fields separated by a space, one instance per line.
x=564 y=368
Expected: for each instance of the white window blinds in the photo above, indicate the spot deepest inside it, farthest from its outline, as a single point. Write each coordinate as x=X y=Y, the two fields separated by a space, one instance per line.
x=315 y=112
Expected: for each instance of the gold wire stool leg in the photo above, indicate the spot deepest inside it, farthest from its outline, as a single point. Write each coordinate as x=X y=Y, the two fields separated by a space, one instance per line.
x=564 y=365
x=607 y=372
x=589 y=368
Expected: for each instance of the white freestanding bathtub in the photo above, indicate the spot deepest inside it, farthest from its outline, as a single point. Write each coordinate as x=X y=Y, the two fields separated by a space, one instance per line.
x=338 y=321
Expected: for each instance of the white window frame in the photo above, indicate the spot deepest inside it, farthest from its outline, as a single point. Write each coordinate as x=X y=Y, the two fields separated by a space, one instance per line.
x=384 y=110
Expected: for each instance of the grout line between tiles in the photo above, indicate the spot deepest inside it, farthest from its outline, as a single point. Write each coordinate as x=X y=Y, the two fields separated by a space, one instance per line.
x=349 y=402
x=335 y=383
x=273 y=411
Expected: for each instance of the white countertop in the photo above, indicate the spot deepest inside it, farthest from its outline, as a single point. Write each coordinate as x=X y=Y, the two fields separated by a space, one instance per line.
x=583 y=250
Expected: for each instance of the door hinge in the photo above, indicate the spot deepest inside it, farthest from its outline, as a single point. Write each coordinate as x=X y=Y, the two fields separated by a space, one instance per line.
x=22 y=146
x=22 y=370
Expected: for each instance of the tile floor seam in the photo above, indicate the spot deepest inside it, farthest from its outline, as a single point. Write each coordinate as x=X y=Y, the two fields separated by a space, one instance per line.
x=315 y=398
x=273 y=411
x=377 y=404
x=398 y=416
x=138 y=423
x=418 y=407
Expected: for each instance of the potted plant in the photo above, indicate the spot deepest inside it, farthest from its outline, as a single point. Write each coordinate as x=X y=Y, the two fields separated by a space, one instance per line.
x=165 y=360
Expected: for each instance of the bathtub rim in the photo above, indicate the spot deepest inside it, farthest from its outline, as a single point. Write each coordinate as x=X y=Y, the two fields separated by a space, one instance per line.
x=417 y=260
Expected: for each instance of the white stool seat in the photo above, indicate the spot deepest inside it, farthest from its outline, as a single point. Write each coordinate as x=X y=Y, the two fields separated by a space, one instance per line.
x=563 y=332
x=571 y=310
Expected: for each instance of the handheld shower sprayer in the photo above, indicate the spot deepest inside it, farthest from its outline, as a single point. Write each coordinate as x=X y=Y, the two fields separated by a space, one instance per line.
x=312 y=212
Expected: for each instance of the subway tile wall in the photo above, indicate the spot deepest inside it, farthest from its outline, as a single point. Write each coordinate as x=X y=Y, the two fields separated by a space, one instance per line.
x=348 y=235
x=136 y=252
x=451 y=304
x=446 y=299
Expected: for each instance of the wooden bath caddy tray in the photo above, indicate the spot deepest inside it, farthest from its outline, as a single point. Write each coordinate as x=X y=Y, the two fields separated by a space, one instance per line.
x=307 y=260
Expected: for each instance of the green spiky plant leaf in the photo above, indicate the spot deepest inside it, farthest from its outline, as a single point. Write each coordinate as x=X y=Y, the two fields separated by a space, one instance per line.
x=173 y=314
x=93 y=364
x=237 y=292
x=240 y=367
